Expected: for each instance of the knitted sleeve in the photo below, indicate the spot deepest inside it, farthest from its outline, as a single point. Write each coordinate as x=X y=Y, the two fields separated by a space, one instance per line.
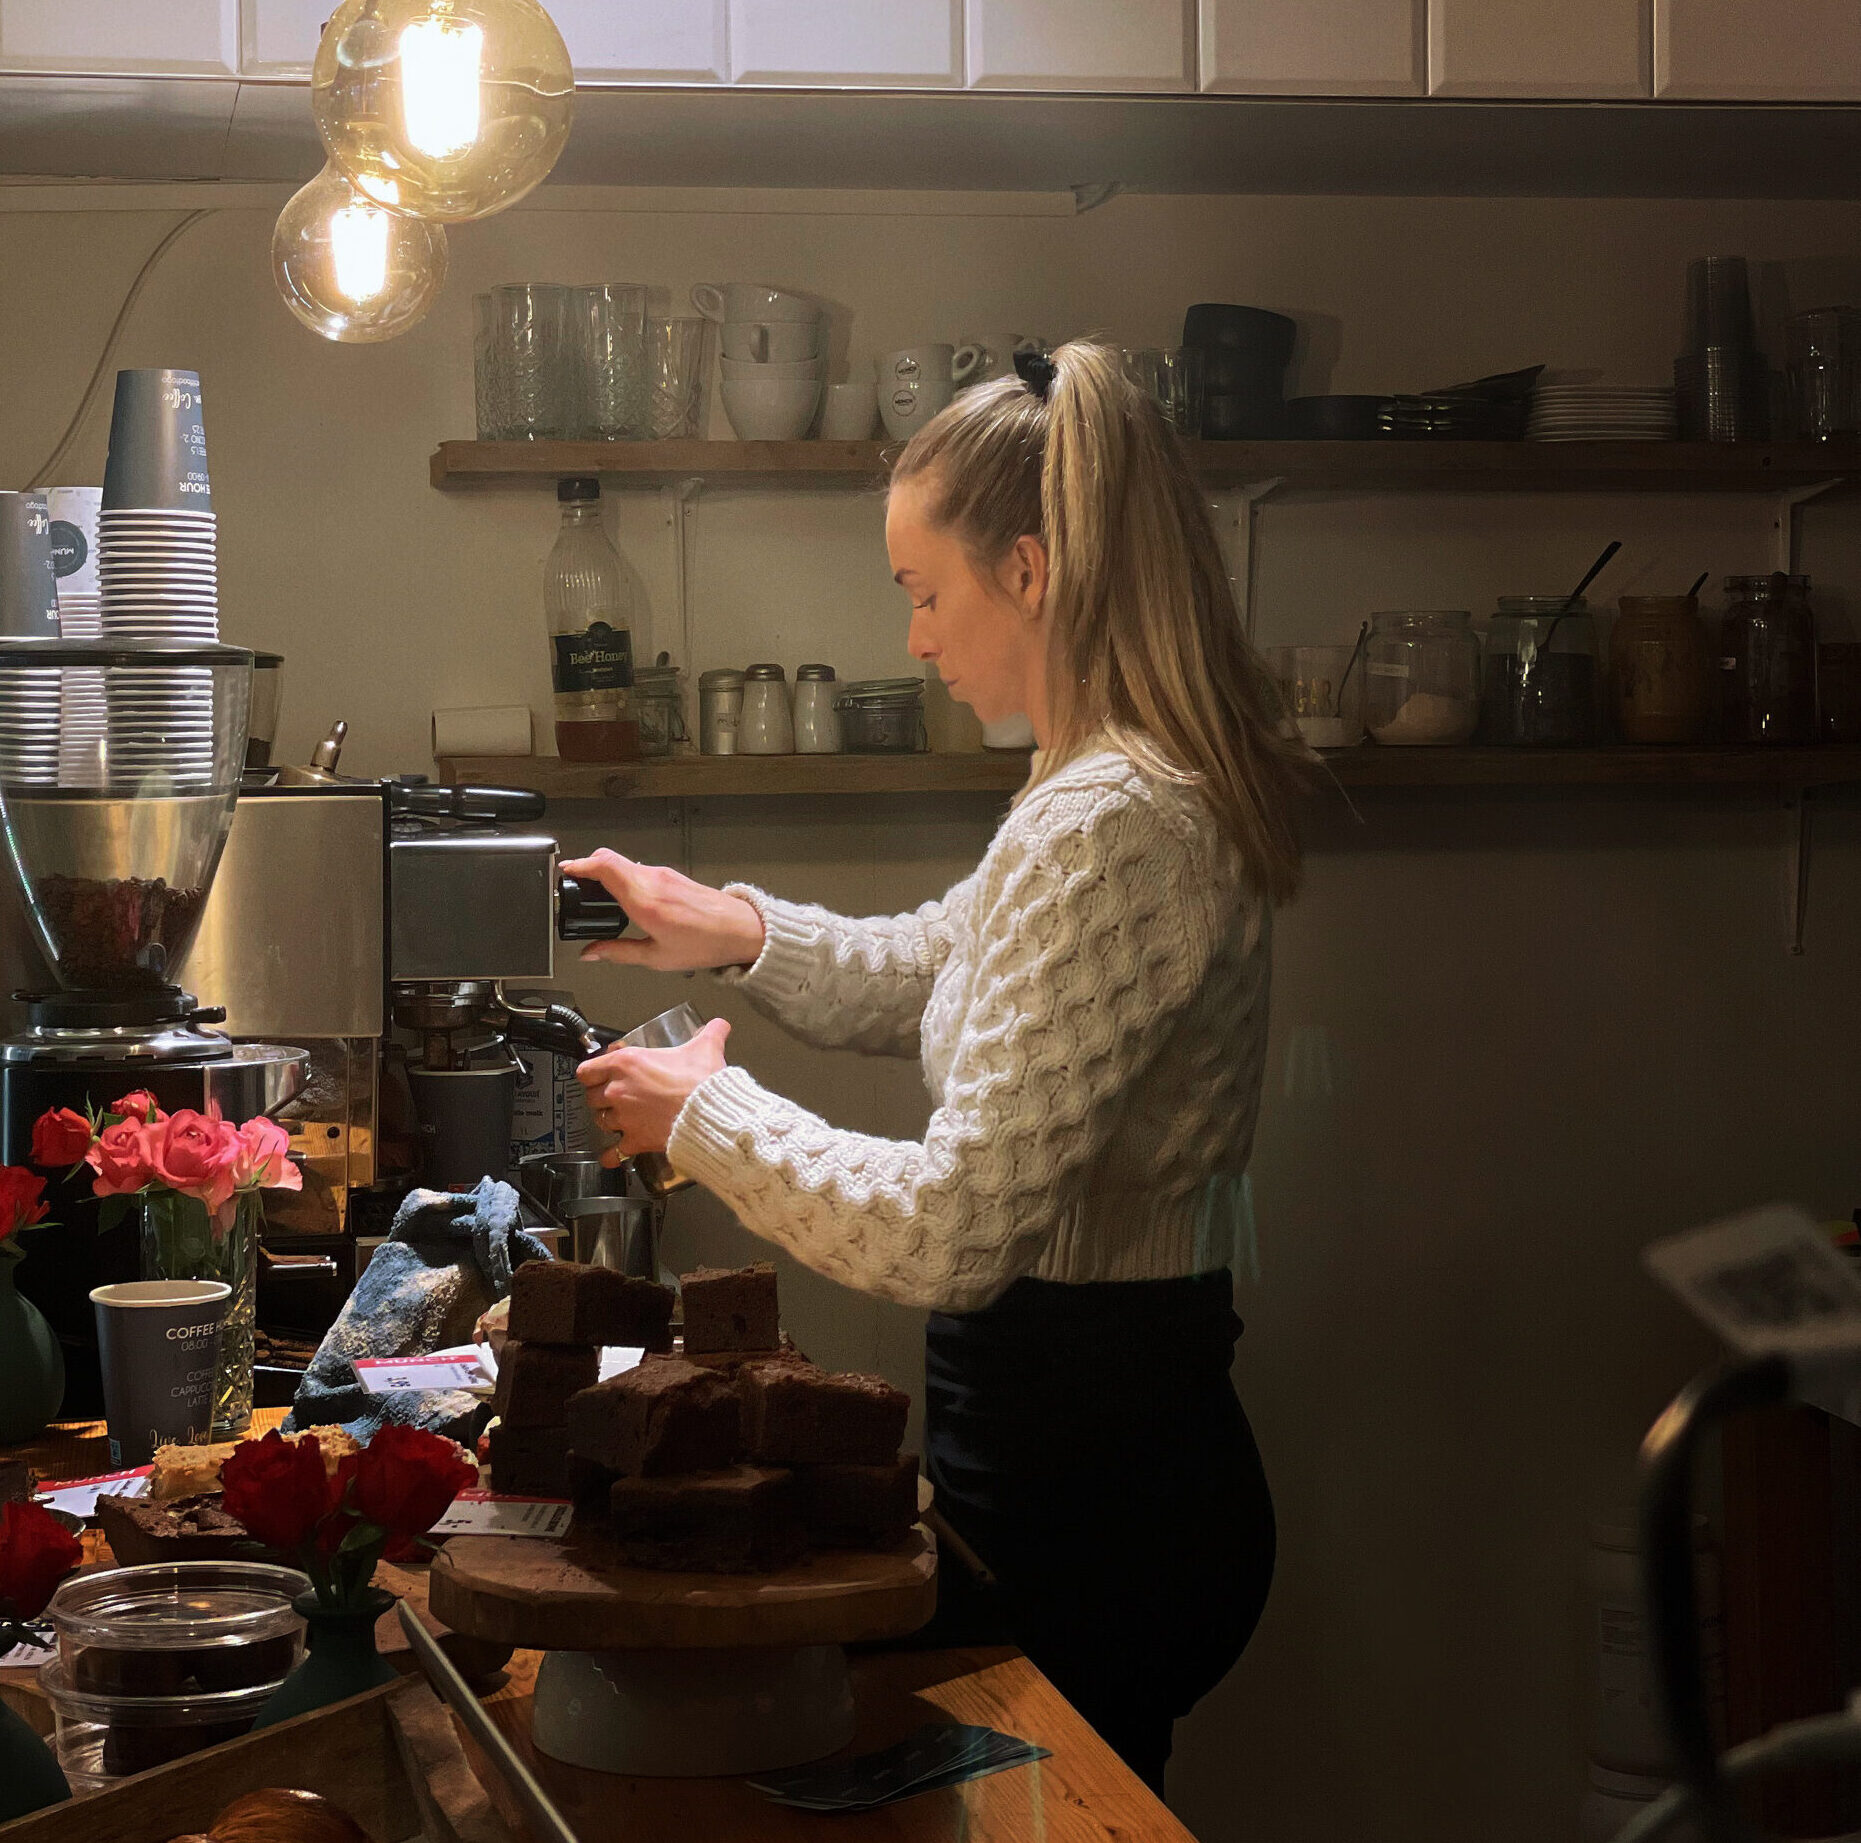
x=1096 y=917
x=844 y=984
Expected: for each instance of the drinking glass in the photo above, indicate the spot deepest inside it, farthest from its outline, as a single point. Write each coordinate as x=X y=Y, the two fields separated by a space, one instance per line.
x=1172 y=376
x=676 y=352
x=1825 y=372
x=527 y=362
x=608 y=325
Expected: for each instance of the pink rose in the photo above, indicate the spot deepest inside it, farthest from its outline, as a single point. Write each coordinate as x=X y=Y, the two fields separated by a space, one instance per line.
x=264 y=1159
x=193 y=1153
x=118 y=1160
x=141 y=1106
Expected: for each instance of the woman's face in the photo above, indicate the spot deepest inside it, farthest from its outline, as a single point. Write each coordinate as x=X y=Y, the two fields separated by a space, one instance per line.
x=983 y=629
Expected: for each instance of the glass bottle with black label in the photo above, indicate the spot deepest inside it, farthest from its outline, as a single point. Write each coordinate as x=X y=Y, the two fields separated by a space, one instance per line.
x=590 y=608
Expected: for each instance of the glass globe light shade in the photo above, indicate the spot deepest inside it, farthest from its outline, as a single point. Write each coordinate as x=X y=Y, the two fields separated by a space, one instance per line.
x=443 y=109
x=350 y=270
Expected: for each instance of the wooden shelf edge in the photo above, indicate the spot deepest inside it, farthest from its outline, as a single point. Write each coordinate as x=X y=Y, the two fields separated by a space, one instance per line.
x=1371 y=766
x=706 y=777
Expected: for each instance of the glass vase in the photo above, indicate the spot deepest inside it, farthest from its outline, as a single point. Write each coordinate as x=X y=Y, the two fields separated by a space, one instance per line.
x=341 y=1659
x=32 y=1367
x=183 y=1240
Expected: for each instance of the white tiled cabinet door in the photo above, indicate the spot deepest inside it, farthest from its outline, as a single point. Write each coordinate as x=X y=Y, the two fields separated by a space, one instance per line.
x=1593 y=50
x=278 y=38
x=1081 y=44
x=1315 y=47
x=177 y=37
x=1757 y=50
x=847 y=43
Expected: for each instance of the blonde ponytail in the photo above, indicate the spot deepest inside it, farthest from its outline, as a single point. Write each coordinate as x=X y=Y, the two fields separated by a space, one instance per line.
x=1146 y=642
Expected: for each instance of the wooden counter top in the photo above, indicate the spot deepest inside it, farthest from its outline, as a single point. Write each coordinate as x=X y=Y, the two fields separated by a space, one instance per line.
x=1083 y=1794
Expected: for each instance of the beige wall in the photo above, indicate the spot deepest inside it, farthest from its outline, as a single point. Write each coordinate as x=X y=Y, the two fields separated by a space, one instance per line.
x=1526 y=1034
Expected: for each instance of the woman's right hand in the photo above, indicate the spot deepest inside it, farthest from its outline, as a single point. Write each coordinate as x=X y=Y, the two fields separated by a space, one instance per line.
x=687 y=927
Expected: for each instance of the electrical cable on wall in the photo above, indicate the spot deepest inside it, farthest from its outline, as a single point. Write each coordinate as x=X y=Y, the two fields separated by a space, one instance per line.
x=42 y=475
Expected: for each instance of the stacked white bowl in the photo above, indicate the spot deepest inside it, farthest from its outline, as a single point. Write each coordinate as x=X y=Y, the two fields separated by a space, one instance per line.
x=775 y=356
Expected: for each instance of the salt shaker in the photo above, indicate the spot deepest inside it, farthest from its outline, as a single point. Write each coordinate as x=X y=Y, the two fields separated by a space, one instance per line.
x=720 y=710
x=768 y=726
x=817 y=722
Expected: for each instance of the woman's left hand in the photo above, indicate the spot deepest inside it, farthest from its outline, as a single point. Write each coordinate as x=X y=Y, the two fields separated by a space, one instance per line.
x=636 y=1094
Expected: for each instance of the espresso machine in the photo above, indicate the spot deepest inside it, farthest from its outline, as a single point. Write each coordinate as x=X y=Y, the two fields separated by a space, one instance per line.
x=119 y=775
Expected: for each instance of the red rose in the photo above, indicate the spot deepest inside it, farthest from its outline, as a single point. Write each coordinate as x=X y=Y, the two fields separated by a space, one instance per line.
x=60 y=1138
x=277 y=1488
x=140 y=1106
x=117 y=1158
x=20 y=1194
x=404 y=1480
x=36 y=1553
x=193 y=1153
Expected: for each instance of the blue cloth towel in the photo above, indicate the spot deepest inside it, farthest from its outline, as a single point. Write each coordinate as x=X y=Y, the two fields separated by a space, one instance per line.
x=448 y=1258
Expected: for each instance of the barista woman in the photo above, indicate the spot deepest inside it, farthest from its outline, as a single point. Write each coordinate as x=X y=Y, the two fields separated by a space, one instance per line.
x=1090 y=1008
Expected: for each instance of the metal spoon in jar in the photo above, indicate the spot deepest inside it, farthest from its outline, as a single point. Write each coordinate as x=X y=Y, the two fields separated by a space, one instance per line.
x=1571 y=600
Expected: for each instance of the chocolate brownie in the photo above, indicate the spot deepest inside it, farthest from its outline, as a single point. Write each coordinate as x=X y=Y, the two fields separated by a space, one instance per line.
x=730 y=1309
x=530 y=1461
x=535 y=1381
x=566 y=1302
x=740 y=1520
x=589 y=1484
x=859 y=1506
x=189 y=1529
x=795 y=1414
x=667 y=1415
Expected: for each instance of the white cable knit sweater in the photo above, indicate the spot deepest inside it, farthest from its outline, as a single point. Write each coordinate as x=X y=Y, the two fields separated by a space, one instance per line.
x=1090 y=1007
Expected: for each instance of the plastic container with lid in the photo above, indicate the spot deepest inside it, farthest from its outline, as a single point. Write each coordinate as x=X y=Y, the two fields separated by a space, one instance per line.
x=1542 y=677
x=1767 y=661
x=883 y=716
x=1421 y=672
x=1660 y=670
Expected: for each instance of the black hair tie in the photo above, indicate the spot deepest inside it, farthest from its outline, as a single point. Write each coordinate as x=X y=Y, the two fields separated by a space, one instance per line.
x=1037 y=371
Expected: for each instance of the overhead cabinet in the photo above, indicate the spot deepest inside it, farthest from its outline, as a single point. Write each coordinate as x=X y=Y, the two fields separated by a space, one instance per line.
x=1128 y=45
x=181 y=38
x=1738 y=51
x=857 y=44
x=1587 y=50
x=1314 y=47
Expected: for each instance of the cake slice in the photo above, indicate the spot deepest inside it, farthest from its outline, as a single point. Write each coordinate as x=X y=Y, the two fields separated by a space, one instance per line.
x=570 y=1302
x=530 y=1461
x=535 y=1381
x=730 y=1309
x=795 y=1414
x=859 y=1506
x=187 y=1471
x=737 y=1520
x=665 y=1416
x=189 y=1529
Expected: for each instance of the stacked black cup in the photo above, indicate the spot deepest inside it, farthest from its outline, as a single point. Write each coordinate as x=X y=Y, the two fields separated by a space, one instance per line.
x=1245 y=352
x=1721 y=382
x=28 y=610
x=157 y=560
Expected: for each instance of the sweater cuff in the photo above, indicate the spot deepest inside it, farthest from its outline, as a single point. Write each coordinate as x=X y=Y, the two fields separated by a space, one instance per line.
x=714 y=1137
x=784 y=969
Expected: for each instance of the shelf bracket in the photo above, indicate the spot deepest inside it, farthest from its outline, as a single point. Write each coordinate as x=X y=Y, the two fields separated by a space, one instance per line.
x=1243 y=570
x=1787 y=527
x=679 y=499
x=1796 y=806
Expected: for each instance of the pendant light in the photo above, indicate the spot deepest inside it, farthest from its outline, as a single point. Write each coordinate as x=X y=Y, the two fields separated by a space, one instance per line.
x=350 y=270
x=443 y=109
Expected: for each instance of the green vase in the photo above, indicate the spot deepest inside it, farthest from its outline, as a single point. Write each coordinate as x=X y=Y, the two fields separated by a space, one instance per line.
x=342 y=1660
x=32 y=1367
x=30 y=1776
x=182 y=1241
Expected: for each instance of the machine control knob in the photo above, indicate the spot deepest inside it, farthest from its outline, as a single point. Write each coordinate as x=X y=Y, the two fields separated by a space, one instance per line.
x=586 y=912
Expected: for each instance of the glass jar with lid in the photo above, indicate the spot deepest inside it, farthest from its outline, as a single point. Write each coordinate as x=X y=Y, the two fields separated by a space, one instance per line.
x=659 y=708
x=1541 y=688
x=1421 y=677
x=1767 y=661
x=883 y=716
x=1660 y=674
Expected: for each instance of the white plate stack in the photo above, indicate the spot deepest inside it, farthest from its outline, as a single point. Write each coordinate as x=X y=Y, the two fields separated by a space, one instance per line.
x=1601 y=413
x=158 y=568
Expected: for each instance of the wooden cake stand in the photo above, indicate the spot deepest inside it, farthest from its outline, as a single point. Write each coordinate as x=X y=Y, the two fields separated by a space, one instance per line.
x=683 y=1675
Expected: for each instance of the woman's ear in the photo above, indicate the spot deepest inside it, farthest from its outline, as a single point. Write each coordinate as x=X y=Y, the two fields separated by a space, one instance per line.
x=1024 y=575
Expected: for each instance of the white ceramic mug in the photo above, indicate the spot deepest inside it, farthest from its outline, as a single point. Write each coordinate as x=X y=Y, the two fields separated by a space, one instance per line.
x=991 y=355
x=802 y=368
x=906 y=408
x=782 y=342
x=851 y=411
x=915 y=364
x=733 y=301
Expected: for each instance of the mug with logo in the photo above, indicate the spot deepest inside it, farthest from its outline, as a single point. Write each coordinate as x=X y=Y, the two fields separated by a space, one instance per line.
x=992 y=355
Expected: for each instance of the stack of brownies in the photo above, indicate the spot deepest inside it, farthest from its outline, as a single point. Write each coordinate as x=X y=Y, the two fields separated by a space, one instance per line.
x=737 y=1456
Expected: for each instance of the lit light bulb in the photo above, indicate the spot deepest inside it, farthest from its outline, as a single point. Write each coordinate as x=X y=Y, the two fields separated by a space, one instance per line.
x=443 y=109
x=351 y=270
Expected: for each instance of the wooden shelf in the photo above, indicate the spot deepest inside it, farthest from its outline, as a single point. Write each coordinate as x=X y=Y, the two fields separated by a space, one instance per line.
x=1371 y=766
x=1376 y=466
x=701 y=777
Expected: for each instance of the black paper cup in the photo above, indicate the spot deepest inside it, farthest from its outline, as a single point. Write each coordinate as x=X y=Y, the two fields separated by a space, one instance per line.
x=160 y=1345
x=28 y=582
x=158 y=444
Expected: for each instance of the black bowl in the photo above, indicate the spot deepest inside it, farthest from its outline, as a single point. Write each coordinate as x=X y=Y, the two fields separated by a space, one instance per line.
x=1213 y=324
x=1242 y=373
x=1228 y=418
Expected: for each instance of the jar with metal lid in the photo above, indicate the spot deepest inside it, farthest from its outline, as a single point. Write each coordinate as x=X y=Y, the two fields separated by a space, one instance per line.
x=817 y=723
x=1541 y=679
x=659 y=708
x=768 y=724
x=1660 y=671
x=883 y=716
x=1421 y=677
x=1767 y=661
x=720 y=710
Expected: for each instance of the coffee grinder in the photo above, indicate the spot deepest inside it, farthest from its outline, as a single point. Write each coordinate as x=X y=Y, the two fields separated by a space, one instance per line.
x=119 y=769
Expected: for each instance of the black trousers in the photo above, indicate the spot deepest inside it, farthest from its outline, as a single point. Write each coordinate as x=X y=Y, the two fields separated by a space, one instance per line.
x=1087 y=1442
